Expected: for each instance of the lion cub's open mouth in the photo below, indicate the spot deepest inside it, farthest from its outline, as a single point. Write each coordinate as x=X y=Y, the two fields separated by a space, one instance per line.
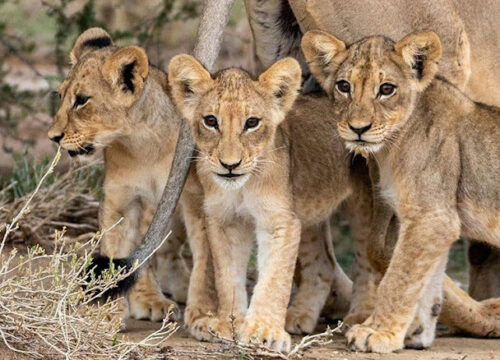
x=85 y=150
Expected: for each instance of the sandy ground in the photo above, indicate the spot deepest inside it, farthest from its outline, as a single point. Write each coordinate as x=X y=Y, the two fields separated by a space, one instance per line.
x=181 y=346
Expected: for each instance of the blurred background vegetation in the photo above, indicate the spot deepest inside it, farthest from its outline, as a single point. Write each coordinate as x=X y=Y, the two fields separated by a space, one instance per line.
x=35 y=40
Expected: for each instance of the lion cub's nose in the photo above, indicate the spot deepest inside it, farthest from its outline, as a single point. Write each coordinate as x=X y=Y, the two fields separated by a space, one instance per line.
x=360 y=130
x=56 y=138
x=230 y=166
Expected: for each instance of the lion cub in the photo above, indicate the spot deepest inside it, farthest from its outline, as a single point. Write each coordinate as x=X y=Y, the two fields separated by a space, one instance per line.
x=113 y=102
x=438 y=157
x=262 y=175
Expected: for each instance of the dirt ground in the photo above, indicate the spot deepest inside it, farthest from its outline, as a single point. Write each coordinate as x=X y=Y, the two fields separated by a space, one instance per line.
x=181 y=346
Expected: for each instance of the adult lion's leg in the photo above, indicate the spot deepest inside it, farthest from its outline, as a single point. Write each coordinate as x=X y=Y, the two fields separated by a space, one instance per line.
x=275 y=31
x=317 y=271
x=145 y=300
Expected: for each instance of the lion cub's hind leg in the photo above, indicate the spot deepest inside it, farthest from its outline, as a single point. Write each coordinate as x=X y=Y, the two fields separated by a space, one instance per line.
x=461 y=312
x=169 y=265
x=317 y=271
x=422 y=331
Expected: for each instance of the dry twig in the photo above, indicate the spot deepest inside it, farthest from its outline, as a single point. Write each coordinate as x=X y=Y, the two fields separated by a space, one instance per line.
x=257 y=351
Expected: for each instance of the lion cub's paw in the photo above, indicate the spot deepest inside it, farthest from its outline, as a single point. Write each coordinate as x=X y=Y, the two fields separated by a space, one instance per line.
x=211 y=328
x=199 y=328
x=364 y=338
x=193 y=313
x=262 y=331
x=152 y=306
x=421 y=337
x=300 y=321
x=354 y=318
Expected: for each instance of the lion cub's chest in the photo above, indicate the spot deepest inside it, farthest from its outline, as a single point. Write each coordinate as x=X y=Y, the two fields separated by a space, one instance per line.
x=229 y=205
x=137 y=183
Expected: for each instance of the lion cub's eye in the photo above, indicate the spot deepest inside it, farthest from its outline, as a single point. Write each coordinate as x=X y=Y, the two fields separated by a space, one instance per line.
x=386 y=89
x=211 y=121
x=80 y=100
x=251 y=123
x=343 y=86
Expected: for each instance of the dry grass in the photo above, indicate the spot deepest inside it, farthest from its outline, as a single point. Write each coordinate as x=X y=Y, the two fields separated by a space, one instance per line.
x=64 y=201
x=47 y=299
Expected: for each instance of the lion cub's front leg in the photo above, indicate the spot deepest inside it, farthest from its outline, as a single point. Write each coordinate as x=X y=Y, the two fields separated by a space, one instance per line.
x=230 y=245
x=145 y=300
x=278 y=238
x=201 y=301
x=423 y=241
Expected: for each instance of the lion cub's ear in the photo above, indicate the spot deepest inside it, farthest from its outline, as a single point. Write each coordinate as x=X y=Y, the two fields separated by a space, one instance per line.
x=282 y=82
x=323 y=53
x=189 y=80
x=89 y=40
x=126 y=71
x=421 y=51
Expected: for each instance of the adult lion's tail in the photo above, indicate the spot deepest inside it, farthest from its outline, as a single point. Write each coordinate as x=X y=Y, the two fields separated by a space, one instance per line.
x=460 y=311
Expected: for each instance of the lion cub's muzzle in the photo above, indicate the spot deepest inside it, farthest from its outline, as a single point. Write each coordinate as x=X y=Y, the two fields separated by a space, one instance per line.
x=230 y=168
x=82 y=150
